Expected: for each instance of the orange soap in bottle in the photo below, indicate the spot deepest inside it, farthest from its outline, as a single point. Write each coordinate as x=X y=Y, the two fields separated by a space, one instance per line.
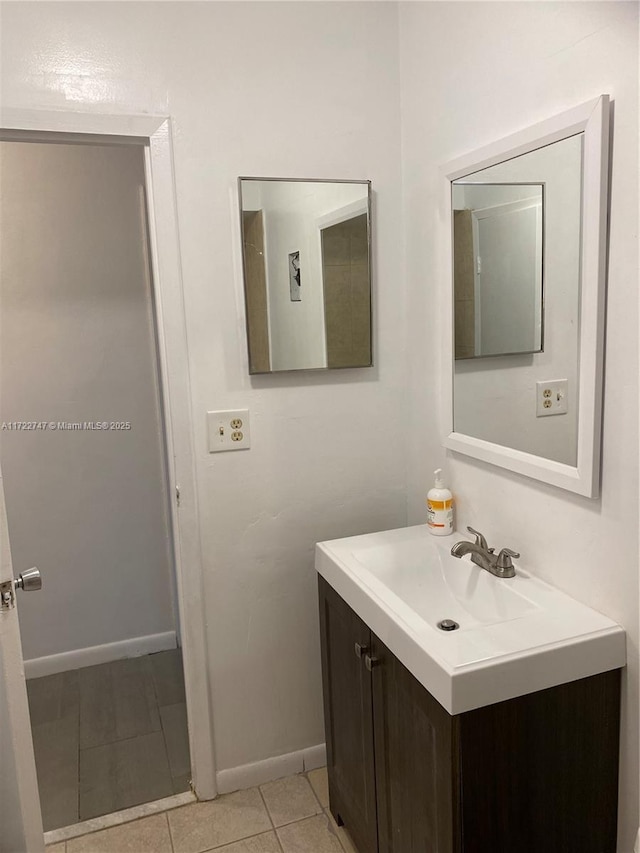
x=439 y=507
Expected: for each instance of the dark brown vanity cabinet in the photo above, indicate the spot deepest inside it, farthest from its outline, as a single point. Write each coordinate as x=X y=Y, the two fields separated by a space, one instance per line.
x=536 y=774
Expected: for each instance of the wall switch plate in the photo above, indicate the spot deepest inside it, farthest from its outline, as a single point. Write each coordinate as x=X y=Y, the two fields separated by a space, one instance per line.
x=229 y=430
x=552 y=398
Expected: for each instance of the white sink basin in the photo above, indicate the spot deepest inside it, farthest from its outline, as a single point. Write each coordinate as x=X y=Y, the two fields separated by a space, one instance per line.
x=515 y=635
x=434 y=585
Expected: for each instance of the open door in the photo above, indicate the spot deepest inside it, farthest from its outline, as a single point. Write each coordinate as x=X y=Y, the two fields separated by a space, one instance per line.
x=20 y=817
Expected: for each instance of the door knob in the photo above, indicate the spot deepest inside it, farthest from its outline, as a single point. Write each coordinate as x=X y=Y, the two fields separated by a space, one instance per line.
x=371 y=661
x=360 y=649
x=29 y=580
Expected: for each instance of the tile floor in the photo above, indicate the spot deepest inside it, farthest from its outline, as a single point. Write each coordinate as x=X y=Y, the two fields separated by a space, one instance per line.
x=287 y=816
x=108 y=737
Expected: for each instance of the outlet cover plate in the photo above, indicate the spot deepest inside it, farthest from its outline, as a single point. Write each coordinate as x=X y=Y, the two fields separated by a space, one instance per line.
x=552 y=398
x=229 y=429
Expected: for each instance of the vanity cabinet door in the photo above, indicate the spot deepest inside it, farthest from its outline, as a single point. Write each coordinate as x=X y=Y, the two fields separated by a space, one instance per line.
x=416 y=762
x=540 y=772
x=348 y=718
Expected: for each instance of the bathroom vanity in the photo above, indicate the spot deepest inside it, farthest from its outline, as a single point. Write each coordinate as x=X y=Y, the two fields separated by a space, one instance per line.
x=499 y=736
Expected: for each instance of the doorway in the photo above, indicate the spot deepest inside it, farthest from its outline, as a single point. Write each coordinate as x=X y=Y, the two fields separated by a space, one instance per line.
x=83 y=451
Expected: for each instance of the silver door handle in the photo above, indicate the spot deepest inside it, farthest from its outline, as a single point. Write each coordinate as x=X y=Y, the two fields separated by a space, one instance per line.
x=29 y=580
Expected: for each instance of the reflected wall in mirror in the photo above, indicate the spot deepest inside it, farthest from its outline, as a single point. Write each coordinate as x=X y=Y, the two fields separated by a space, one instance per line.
x=497 y=268
x=307 y=274
x=527 y=247
x=496 y=400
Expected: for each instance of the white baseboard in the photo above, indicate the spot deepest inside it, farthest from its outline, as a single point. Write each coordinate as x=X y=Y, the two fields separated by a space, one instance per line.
x=315 y=756
x=64 y=661
x=259 y=772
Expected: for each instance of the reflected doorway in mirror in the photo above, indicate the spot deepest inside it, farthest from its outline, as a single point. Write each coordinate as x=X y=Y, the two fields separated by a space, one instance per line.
x=498 y=236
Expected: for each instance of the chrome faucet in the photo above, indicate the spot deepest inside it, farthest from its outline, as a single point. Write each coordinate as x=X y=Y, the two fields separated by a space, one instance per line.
x=499 y=565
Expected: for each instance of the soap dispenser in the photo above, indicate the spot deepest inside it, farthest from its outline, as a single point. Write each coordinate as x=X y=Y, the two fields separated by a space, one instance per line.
x=439 y=507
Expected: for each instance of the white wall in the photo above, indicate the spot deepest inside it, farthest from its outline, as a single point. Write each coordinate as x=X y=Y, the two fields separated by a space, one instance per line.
x=472 y=73
x=89 y=508
x=312 y=93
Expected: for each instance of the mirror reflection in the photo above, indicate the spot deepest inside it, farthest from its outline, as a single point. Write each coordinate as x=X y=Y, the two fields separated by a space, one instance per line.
x=497 y=268
x=307 y=282
x=500 y=399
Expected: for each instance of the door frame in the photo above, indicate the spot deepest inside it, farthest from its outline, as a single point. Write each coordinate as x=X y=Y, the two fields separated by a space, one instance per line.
x=505 y=208
x=335 y=217
x=164 y=250
x=20 y=813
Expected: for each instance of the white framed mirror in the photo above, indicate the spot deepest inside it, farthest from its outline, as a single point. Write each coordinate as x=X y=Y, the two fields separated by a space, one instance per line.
x=525 y=239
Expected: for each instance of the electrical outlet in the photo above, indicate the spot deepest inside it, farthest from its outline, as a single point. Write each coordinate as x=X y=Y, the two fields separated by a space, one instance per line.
x=229 y=430
x=552 y=398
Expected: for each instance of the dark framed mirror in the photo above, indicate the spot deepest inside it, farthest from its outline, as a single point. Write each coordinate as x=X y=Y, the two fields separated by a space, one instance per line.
x=306 y=249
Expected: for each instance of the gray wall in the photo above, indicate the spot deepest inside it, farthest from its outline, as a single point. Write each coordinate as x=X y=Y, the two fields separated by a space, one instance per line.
x=88 y=508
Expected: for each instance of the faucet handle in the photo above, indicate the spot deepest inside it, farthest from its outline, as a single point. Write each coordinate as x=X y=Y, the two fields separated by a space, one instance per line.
x=481 y=542
x=504 y=558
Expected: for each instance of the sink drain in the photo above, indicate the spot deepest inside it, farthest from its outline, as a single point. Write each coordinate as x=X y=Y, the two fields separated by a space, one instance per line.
x=448 y=625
